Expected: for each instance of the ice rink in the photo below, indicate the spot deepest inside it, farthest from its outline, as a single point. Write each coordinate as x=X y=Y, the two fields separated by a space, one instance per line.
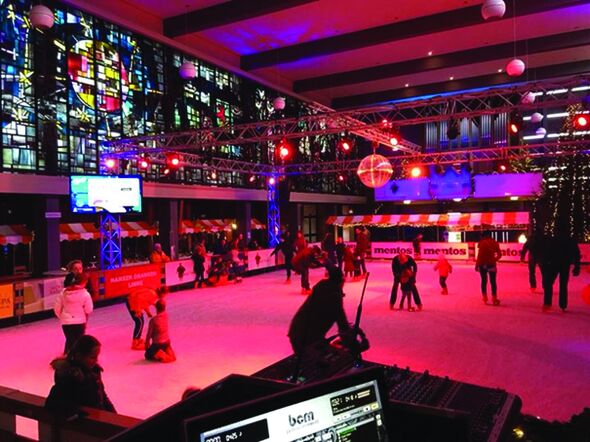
x=241 y=328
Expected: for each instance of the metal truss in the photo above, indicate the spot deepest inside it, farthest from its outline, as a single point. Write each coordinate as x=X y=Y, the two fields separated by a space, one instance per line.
x=273 y=212
x=541 y=150
x=110 y=242
x=374 y=123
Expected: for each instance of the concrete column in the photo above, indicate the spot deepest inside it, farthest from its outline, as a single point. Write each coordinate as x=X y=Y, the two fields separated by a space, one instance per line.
x=168 y=219
x=46 y=246
x=244 y=219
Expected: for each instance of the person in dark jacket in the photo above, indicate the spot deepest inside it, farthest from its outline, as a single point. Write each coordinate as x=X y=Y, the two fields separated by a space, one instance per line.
x=402 y=262
x=288 y=248
x=488 y=254
x=78 y=380
x=557 y=255
x=340 y=250
x=329 y=247
x=531 y=246
x=362 y=247
x=302 y=262
x=74 y=268
x=319 y=312
x=199 y=258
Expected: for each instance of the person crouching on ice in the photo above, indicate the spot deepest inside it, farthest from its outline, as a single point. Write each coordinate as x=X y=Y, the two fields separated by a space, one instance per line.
x=157 y=340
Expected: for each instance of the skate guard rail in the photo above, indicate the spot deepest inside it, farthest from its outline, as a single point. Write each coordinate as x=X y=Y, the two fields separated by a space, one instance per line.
x=96 y=426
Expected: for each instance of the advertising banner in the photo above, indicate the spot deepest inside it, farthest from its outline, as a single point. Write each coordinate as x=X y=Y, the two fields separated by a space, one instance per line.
x=511 y=251
x=122 y=281
x=179 y=272
x=51 y=287
x=6 y=301
x=260 y=259
x=33 y=294
x=429 y=250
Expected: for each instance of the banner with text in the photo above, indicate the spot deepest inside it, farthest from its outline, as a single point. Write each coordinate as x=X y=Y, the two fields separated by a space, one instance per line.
x=122 y=281
x=429 y=250
x=260 y=259
x=511 y=251
x=6 y=301
x=179 y=272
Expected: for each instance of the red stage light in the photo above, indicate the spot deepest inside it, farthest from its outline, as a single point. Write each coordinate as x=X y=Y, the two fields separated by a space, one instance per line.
x=175 y=161
x=144 y=164
x=252 y=178
x=581 y=122
x=345 y=144
x=340 y=177
x=110 y=163
x=416 y=172
x=166 y=171
x=394 y=140
x=172 y=160
x=284 y=150
x=503 y=168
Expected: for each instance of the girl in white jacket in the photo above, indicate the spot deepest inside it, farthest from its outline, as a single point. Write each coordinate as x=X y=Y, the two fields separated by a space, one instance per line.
x=72 y=307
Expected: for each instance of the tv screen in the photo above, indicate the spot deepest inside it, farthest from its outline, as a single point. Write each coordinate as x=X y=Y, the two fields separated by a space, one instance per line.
x=113 y=194
x=349 y=408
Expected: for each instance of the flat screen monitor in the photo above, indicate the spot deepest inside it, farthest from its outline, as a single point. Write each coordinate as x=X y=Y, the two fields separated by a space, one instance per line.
x=344 y=409
x=113 y=194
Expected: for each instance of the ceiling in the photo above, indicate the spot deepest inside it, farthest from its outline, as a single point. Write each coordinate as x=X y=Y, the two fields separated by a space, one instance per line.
x=349 y=53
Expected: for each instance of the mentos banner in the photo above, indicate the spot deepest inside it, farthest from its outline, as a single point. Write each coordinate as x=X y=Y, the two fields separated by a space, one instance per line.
x=261 y=259
x=429 y=250
x=122 y=281
x=510 y=251
x=179 y=272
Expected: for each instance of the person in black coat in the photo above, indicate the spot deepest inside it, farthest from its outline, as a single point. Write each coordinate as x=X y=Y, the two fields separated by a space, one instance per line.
x=400 y=263
x=74 y=268
x=531 y=246
x=286 y=246
x=78 y=380
x=340 y=246
x=319 y=312
x=557 y=254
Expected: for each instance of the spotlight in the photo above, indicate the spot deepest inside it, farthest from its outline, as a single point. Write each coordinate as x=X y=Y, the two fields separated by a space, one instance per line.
x=271 y=181
x=345 y=144
x=416 y=172
x=213 y=175
x=515 y=123
x=110 y=163
x=284 y=150
x=502 y=166
x=453 y=129
x=166 y=171
x=252 y=178
x=394 y=139
x=143 y=163
x=172 y=160
x=581 y=121
x=341 y=178
x=385 y=123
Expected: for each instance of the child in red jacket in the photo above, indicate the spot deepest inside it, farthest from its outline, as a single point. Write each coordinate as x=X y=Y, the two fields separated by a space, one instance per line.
x=444 y=268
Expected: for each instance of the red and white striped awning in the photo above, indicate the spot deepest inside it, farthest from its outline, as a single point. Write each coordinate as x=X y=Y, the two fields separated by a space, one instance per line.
x=454 y=220
x=76 y=231
x=15 y=234
x=214 y=225
x=85 y=231
x=137 y=228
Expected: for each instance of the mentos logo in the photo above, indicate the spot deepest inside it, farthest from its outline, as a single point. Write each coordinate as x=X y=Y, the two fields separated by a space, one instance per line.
x=391 y=250
x=444 y=250
x=300 y=419
x=510 y=252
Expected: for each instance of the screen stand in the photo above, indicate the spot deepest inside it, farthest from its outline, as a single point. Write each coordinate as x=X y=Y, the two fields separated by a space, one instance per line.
x=110 y=242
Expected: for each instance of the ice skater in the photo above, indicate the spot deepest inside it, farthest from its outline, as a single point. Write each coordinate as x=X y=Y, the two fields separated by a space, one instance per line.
x=406 y=282
x=287 y=247
x=157 y=340
x=531 y=246
x=302 y=262
x=488 y=255
x=398 y=265
x=444 y=268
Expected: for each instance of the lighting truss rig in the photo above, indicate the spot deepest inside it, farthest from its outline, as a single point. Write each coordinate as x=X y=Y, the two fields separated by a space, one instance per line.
x=366 y=122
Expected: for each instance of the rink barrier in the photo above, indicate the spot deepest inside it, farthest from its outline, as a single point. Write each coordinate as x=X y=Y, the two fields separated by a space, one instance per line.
x=96 y=426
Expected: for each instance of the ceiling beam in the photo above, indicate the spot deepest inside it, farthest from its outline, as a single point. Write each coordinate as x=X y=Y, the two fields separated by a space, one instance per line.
x=460 y=58
x=462 y=84
x=430 y=24
x=223 y=14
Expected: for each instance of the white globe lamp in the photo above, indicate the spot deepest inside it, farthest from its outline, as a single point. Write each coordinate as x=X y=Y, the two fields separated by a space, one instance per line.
x=493 y=9
x=278 y=103
x=187 y=70
x=541 y=131
x=537 y=117
x=41 y=17
x=528 y=98
x=515 y=67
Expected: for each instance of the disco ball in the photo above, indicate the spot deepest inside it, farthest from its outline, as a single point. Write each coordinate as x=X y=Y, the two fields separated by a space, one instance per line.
x=374 y=171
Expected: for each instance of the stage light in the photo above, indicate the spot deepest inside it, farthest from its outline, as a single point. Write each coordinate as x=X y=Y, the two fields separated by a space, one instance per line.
x=502 y=166
x=394 y=139
x=143 y=163
x=252 y=178
x=515 y=123
x=110 y=163
x=166 y=171
x=213 y=175
x=416 y=172
x=581 y=121
x=234 y=226
x=385 y=123
x=284 y=150
x=271 y=181
x=341 y=178
x=172 y=160
x=345 y=144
